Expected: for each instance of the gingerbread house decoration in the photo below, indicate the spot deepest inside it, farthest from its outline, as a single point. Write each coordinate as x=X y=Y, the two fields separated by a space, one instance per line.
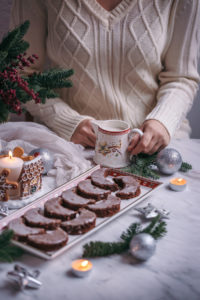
x=30 y=179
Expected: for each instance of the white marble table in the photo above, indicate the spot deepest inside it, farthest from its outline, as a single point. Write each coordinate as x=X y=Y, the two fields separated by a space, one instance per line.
x=172 y=273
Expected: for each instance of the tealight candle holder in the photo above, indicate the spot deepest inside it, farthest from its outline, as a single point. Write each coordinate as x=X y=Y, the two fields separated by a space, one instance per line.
x=177 y=184
x=81 y=267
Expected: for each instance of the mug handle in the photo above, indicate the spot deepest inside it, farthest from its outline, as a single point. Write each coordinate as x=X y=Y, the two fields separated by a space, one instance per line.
x=136 y=130
x=95 y=125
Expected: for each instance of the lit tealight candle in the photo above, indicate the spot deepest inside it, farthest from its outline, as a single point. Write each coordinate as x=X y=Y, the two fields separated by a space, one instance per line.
x=81 y=267
x=178 y=184
x=14 y=164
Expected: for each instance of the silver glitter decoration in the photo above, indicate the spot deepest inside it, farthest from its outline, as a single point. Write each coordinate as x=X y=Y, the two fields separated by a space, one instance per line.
x=142 y=246
x=24 y=278
x=168 y=161
x=151 y=211
x=47 y=158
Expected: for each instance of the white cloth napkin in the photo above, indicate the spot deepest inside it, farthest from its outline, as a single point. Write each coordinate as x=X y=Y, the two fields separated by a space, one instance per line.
x=69 y=159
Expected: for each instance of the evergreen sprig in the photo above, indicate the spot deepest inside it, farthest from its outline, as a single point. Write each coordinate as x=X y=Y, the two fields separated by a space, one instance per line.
x=96 y=249
x=8 y=252
x=17 y=89
x=144 y=165
x=185 y=167
x=156 y=228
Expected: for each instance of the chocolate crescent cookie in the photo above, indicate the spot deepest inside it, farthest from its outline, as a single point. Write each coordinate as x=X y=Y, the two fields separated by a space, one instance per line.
x=106 y=208
x=34 y=218
x=100 y=179
x=21 y=231
x=53 y=208
x=86 y=189
x=74 y=201
x=49 y=241
x=84 y=222
x=130 y=187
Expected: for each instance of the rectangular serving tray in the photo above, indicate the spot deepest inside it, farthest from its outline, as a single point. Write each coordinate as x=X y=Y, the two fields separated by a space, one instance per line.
x=148 y=186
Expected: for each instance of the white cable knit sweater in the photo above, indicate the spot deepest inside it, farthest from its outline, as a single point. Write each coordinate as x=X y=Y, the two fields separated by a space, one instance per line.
x=137 y=62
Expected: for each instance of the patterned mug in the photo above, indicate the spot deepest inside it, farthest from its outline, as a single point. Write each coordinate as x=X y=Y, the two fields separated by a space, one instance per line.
x=113 y=137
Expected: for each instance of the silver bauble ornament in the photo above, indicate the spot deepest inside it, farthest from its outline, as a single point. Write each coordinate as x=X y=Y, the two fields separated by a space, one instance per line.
x=142 y=246
x=47 y=158
x=168 y=161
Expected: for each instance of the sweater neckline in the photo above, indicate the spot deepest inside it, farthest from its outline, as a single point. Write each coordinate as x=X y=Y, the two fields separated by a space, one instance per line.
x=109 y=17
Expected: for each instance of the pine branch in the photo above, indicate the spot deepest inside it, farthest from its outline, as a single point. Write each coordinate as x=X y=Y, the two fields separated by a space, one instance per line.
x=97 y=249
x=51 y=79
x=8 y=252
x=185 y=167
x=143 y=164
x=156 y=228
x=131 y=231
x=93 y=249
x=159 y=230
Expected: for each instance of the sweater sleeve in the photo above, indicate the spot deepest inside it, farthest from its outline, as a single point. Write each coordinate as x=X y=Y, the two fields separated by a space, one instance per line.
x=55 y=113
x=179 y=78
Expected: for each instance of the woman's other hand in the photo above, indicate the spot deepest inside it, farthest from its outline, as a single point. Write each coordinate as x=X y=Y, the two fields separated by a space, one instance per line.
x=84 y=134
x=155 y=138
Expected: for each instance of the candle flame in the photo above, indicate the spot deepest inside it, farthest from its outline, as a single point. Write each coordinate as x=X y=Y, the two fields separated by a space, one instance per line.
x=84 y=263
x=179 y=179
x=10 y=154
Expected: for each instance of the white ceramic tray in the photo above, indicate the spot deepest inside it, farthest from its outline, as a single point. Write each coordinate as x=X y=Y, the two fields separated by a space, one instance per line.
x=148 y=186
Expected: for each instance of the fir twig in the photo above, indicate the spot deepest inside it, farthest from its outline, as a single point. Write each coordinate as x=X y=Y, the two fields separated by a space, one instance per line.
x=94 y=249
x=144 y=164
x=156 y=228
x=8 y=252
x=185 y=167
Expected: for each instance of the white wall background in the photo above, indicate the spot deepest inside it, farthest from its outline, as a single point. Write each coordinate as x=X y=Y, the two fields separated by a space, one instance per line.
x=194 y=114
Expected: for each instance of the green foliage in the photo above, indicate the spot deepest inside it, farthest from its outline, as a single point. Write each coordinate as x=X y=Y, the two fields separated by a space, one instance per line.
x=3 y=112
x=94 y=249
x=185 y=167
x=145 y=165
x=156 y=228
x=12 y=45
x=8 y=252
x=142 y=165
x=16 y=89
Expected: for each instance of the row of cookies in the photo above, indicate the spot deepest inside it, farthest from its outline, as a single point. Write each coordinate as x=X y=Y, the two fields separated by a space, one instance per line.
x=75 y=211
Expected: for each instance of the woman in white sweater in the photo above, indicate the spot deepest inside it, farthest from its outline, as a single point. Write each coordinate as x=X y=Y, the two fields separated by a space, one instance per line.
x=134 y=60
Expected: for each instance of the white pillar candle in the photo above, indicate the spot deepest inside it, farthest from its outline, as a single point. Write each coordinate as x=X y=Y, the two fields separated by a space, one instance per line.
x=14 y=164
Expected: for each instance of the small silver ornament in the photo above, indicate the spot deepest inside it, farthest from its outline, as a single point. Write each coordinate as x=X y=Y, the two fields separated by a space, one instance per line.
x=142 y=246
x=151 y=211
x=24 y=278
x=47 y=158
x=168 y=161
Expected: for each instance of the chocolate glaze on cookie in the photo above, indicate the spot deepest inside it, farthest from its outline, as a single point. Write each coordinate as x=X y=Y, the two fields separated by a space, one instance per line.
x=130 y=187
x=53 y=209
x=74 y=201
x=84 y=222
x=21 y=231
x=49 y=241
x=100 y=179
x=106 y=208
x=34 y=218
x=86 y=189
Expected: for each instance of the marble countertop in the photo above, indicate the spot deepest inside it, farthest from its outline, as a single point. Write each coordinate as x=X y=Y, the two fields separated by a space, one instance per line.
x=171 y=273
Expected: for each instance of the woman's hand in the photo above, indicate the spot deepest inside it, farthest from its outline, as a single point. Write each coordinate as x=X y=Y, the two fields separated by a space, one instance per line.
x=155 y=138
x=84 y=134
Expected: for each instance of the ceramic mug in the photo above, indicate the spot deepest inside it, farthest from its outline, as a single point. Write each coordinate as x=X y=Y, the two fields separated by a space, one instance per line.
x=113 y=137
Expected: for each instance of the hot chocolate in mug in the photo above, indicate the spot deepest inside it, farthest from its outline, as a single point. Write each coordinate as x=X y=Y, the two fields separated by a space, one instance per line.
x=113 y=137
